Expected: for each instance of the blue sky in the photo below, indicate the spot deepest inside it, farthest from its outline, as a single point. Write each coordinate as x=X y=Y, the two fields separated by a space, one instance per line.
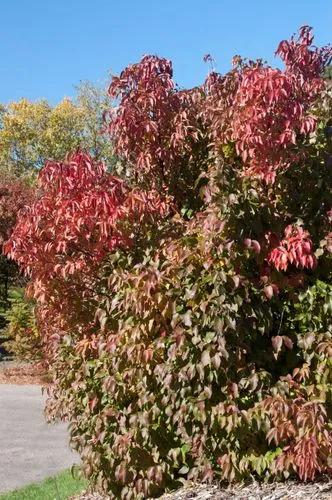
x=47 y=47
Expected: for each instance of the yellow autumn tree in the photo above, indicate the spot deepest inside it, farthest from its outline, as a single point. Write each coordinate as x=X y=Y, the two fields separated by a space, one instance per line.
x=33 y=132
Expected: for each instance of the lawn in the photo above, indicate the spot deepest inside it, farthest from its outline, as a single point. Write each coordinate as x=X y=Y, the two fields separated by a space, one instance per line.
x=60 y=487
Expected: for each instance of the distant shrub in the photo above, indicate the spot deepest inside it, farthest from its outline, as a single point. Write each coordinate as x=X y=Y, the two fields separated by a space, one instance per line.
x=186 y=312
x=22 y=333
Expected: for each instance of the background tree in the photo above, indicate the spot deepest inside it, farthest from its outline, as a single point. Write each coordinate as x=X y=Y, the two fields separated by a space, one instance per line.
x=94 y=102
x=33 y=132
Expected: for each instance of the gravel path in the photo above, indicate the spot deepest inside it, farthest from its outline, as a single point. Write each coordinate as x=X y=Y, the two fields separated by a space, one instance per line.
x=30 y=449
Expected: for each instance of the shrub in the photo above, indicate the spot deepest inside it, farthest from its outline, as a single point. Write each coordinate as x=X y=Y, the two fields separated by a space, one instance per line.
x=187 y=313
x=22 y=333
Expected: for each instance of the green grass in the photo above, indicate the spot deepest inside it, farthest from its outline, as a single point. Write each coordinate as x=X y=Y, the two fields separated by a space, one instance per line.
x=59 y=487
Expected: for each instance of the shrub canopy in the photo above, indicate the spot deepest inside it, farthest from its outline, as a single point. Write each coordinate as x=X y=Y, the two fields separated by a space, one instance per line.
x=186 y=309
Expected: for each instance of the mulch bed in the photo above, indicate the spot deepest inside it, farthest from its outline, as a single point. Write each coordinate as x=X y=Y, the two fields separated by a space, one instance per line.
x=13 y=372
x=321 y=490
x=275 y=491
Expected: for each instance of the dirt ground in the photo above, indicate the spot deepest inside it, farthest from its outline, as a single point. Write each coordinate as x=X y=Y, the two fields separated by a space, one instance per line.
x=18 y=373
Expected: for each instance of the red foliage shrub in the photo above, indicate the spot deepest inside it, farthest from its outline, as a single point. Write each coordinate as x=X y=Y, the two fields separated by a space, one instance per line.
x=188 y=339
x=82 y=214
x=155 y=128
x=265 y=110
x=295 y=248
x=15 y=194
